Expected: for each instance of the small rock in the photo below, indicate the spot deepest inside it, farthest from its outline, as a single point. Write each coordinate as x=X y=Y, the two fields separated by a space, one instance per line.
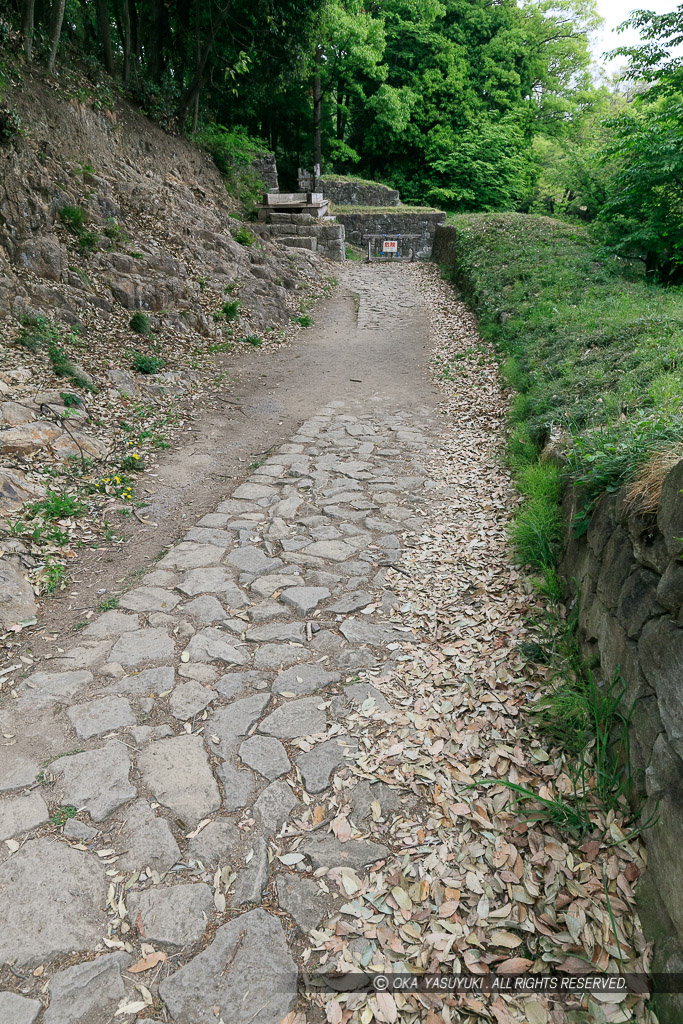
x=177 y=772
x=100 y=716
x=87 y=992
x=23 y=813
x=173 y=916
x=294 y=719
x=373 y=633
x=96 y=780
x=266 y=755
x=354 y=696
x=364 y=794
x=16 y=488
x=79 y=831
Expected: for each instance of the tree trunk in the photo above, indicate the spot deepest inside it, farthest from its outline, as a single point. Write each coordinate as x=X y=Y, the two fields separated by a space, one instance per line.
x=27 y=7
x=104 y=32
x=55 y=32
x=195 y=85
x=125 y=22
x=317 y=117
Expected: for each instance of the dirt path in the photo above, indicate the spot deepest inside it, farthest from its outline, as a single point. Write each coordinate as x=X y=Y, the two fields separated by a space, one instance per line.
x=268 y=759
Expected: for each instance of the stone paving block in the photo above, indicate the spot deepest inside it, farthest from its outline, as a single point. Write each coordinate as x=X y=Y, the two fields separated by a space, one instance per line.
x=42 y=689
x=214 y=580
x=277 y=656
x=304 y=679
x=216 y=977
x=188 y=699
x=264 y=586
x=240 y=786
x=274 y=806
x=295 y=718
x=205 y=609
x=22 y=813
x=352 y=602
x=266 y=755
x=219 y=842
x=88 y=992
x=149 y=599
x=354 y=696
x=111 y=623
x=149 y=680
x=142 y=645
x=174 y=915
x=51 y=902
x=373 y=633
x=188 y=555
x=317 y=765
x=325 y=851
x=96 y=780
x=78 y=831
x=16 y=1009
x=214 y=644
x=304 y=600
x=253 y=560
x=97 y=717
x=145 y=840
x=253 y=877
x=303 y=899
x=177 y=772
x=17 y=770
x=286 y=631
x=234 y=721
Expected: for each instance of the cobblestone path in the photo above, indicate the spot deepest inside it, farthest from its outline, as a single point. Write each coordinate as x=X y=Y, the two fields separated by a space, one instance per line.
x=223 y=762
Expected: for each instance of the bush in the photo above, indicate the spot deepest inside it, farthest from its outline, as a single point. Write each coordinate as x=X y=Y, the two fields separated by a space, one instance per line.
x=147 y=364
x=231 y=310
x=233 y=151
x=140 y=323
x=244 y=237
x=74 y=217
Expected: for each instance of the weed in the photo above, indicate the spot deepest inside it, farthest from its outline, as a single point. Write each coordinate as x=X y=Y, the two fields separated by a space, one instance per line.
x=63 y=366
x=115 y=233
x=55 y=506
x=36 y=333
x=62 y=815
x=147 y=364
x=54 y=576
x=253 y=340
x=132 y=462
x=244 y=237
x=108 y=604
x=74 y=217
x=88 y=241
x=257 y=464
x=140 y=323
x=304 y=321
x=231 y=310
x=353 y=254
x=537 y=531
x=70 y=400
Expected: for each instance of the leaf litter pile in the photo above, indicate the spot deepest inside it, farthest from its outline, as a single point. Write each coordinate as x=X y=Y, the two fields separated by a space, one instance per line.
x=476 y=883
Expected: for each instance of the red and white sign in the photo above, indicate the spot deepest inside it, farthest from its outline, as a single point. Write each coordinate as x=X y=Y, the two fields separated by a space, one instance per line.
x=390 y=245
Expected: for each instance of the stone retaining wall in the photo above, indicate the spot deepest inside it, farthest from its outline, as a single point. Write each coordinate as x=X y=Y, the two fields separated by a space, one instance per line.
x=347 y=192
x=302 y=231
x=265 y=166
x=626 y=573
x=401 y=221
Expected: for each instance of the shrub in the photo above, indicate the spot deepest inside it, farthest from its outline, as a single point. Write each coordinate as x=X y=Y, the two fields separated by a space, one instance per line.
x=88 y=241
x=63 y=367
x=304 y=321
x=140 y=323
x=10 y=124
x=74 y=217
x=144 y=363
x=36 y=333
x=231 y=310
x=244 y=237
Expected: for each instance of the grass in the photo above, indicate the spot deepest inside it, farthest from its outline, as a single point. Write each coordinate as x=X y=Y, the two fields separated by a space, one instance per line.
x=140 y=323
x=304 y=321
x=146 y=364
x=244 y=237
x=394 y=211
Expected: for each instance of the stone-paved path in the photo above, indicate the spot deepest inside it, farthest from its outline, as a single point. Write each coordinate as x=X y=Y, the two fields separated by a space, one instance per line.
x=263 y=759
x=197 y=721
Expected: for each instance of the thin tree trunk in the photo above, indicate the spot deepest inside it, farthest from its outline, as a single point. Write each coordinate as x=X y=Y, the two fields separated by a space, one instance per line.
x=125 y=20
x=104 y=32
x=317 y=117
x=27 y=8
x=55 y=31
x=195 y=85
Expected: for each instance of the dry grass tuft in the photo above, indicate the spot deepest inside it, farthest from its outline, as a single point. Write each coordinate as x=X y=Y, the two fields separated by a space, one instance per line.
x=645 y=490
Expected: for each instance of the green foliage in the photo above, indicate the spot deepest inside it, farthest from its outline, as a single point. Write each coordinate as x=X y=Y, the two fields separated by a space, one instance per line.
x=54 y=576
x=37 y=333
x=62 y=815
x=536 y=531
x=304 y=321
x=70 y=400
x=55 y=506
x=11 y=124
x=140 y=323
x=144 y=363
x=244 y=236
x=74 y=217
x=231 y=310
x=233 y=151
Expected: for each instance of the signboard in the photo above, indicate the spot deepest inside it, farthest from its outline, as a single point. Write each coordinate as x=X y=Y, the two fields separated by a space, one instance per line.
x=390 y=245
